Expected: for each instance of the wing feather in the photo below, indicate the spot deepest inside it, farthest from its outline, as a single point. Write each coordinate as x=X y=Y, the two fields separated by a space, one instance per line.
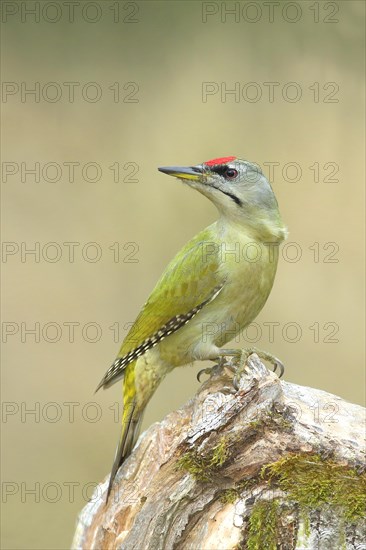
x=190 y=281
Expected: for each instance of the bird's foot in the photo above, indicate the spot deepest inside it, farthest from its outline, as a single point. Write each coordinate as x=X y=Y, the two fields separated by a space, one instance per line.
x=237 y=364
x=240 y=357
x=222 y=363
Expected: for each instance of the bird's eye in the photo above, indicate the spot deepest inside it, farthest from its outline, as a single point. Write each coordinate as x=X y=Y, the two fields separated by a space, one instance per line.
x=231 y=173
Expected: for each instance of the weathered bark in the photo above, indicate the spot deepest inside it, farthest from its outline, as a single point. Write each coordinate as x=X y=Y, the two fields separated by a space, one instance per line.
x=222 y=439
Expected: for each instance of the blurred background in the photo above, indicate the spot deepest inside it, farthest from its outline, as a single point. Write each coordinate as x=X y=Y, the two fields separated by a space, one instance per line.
x=96 y=96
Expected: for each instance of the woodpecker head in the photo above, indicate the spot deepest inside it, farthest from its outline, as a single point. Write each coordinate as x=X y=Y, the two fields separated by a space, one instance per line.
x=237 y=187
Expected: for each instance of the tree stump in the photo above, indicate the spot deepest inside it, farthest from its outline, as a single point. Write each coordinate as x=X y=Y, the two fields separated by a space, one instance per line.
x=270 y=465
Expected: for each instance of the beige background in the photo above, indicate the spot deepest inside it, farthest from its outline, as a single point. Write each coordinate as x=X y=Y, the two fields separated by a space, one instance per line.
x=169 y=53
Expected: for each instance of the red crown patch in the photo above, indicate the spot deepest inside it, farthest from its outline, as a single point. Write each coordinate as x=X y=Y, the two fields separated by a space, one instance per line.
x=221 y=160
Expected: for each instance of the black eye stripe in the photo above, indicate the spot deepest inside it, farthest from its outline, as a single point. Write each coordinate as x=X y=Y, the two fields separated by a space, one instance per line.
x=219 y=169
x=224 y=170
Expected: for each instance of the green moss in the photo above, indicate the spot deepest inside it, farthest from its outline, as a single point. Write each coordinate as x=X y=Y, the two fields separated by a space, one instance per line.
x=229 y=496
x=263 y=523
x=309 y=481
x=220 y=454
x=257 y=425
x=193 y=463
x=313 y=482
x=203 y=467
x=233 y=494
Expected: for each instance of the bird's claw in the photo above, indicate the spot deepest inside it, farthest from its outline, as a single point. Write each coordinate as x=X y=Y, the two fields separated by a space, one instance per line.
x=277 y=364
x=208 y=371
x=265 y=356
x=216 y=369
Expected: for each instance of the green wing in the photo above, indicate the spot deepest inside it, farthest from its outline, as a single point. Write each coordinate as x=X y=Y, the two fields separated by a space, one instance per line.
x=190 y=281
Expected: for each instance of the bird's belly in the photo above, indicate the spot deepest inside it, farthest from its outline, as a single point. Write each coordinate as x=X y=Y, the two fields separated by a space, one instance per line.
x=237 y=305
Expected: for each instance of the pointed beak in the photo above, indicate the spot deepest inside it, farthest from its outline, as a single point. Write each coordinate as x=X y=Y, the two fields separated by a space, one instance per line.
x=193 y=173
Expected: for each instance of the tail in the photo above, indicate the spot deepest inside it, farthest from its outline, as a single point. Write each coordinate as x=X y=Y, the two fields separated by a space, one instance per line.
x=131 y=424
